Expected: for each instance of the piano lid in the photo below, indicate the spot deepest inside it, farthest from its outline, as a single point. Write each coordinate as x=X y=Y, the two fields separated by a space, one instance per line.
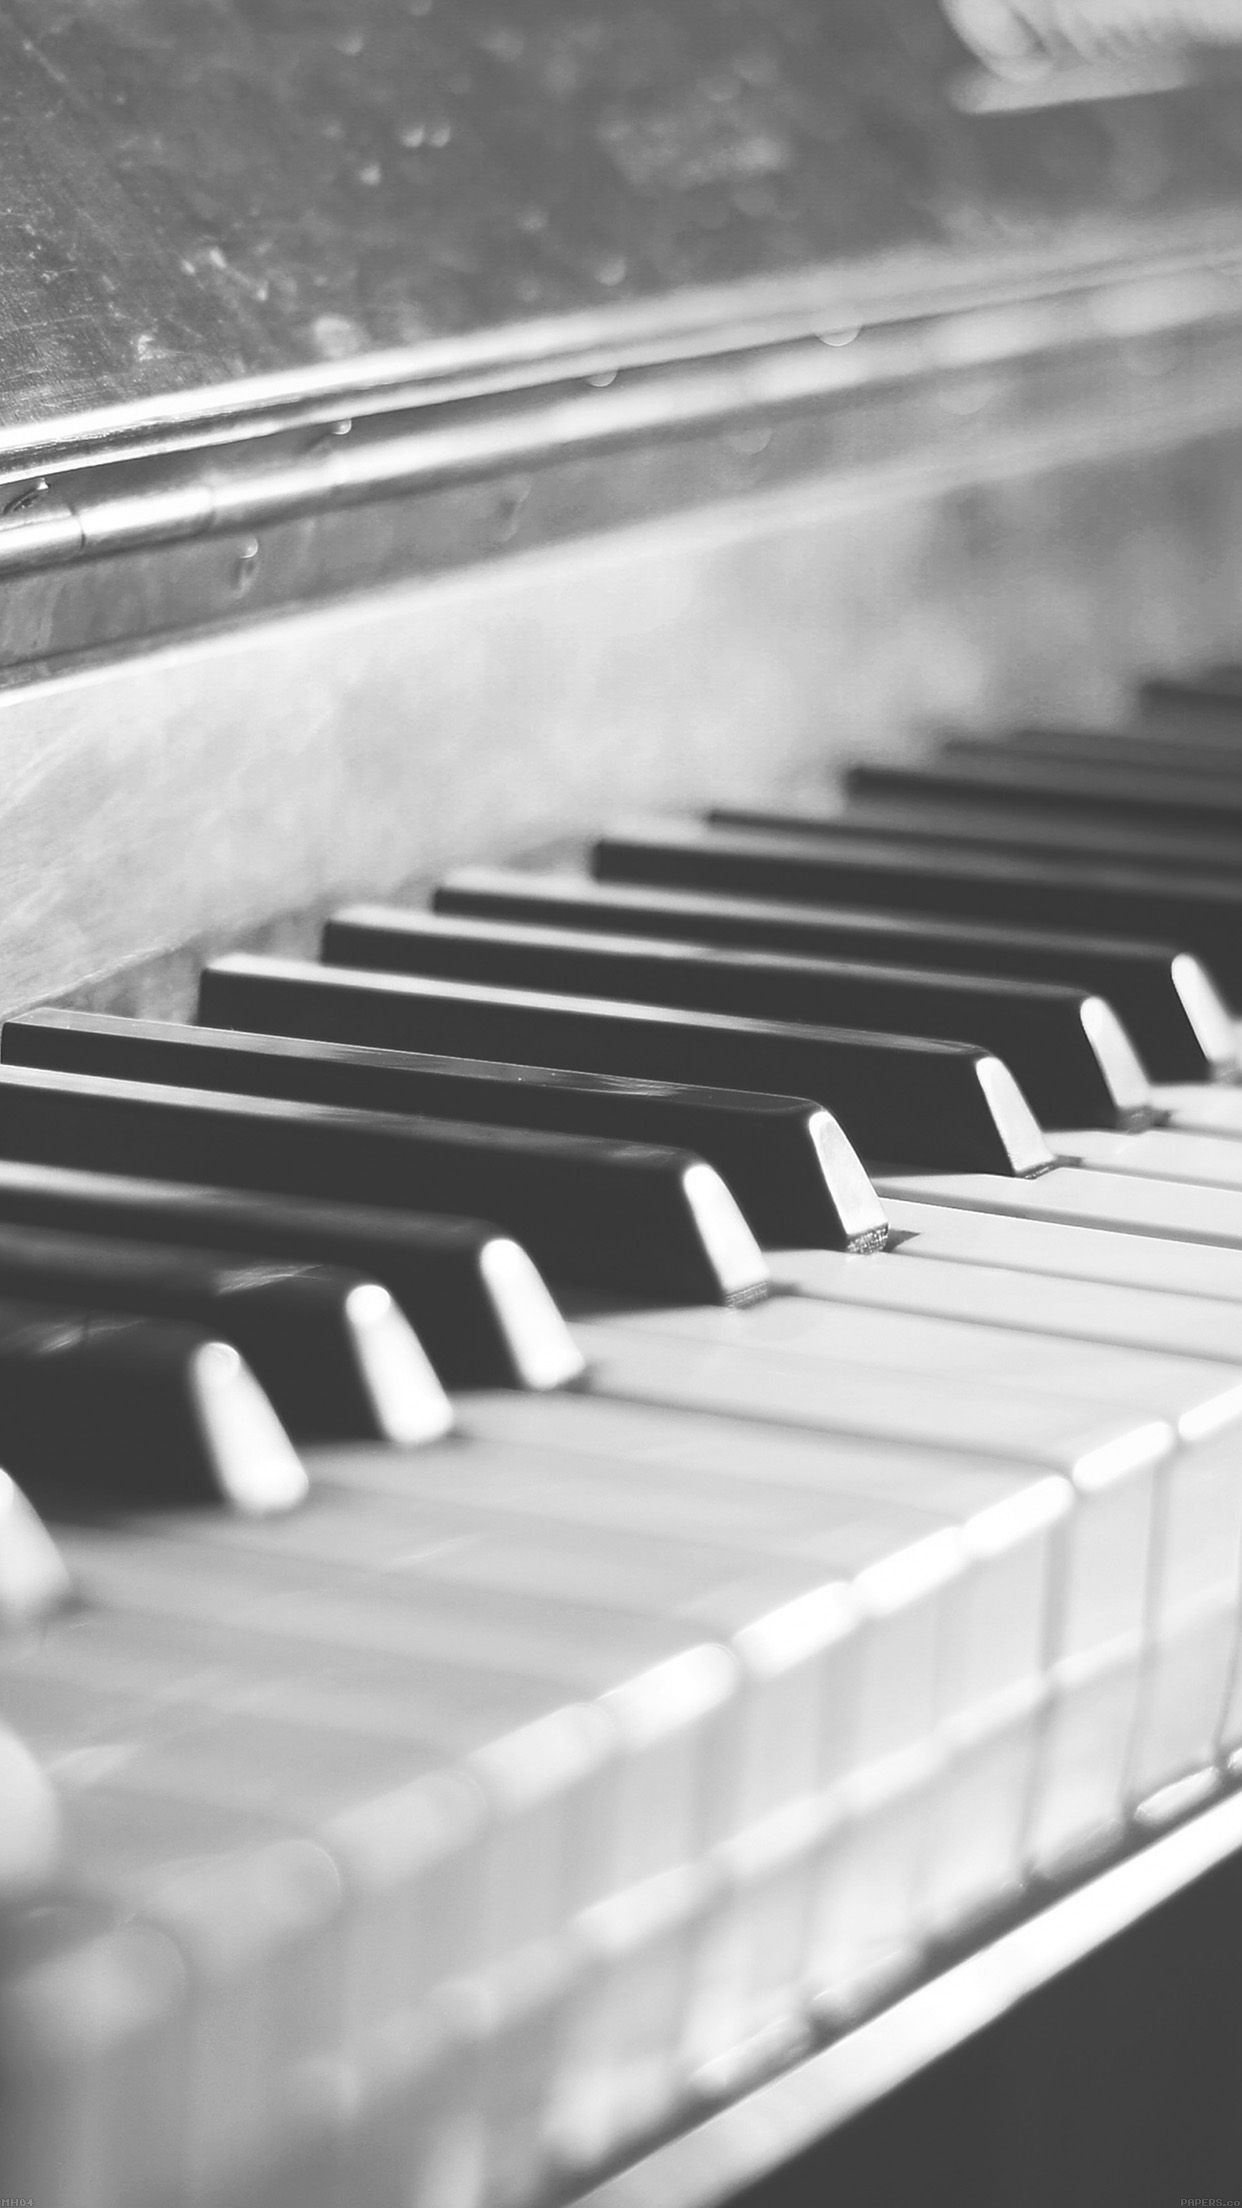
x=277 y=200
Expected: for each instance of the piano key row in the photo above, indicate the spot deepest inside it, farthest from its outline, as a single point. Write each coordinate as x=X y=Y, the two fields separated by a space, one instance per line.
x=477 y=1812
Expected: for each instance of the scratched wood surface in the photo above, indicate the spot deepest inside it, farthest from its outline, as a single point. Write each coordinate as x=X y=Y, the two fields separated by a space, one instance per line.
x=205 y=742
x=201 y=190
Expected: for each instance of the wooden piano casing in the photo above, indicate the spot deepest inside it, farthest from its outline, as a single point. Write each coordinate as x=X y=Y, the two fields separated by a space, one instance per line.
x=425 y=433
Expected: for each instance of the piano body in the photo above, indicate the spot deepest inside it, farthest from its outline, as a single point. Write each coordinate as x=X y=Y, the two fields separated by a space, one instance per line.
x=431 y=429
x=568 y=406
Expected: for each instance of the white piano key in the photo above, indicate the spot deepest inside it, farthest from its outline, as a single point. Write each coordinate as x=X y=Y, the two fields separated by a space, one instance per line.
x=1059 y=1306
x=797 y=1664
x=1075 y=1196
x=623 y=2065
x=812 y=1700
x=121 y=1695
x=254 y=1911
x=1112 y=1461
x=401 y=1855
x=1194 y=1578
x=1098 y=1574
x=634 y=1358
x=934 y=1225
x=594 y=1408
x=524 y=1632
x=895 y=1561
x=540 y=1804
x=1042 y=1302
x=992 y=1500
x=1009 y=1519
x=1202 y=1108
x=833 y=1525
x=338 y=1750
x=820 y=1332
x=1196 y=1601
x=780 y=1651
x=557 y=1434
x=175 y=1588
x=827 y=1511
x=547 y=1769
x=1194 y=1614
x=93 y=2052
x=1158 y=1154
x=662 y=1693
x=962 y=1233
x=1231 y=1724
x=556 y=1775
x=429 y=1886
x=585 y=1606
x=847 y=1541
x=990 y=1666
x=582 y=1477
x=415 y=2136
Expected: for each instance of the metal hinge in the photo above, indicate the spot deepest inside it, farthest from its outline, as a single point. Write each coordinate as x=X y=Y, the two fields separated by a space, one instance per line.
x=460 y=432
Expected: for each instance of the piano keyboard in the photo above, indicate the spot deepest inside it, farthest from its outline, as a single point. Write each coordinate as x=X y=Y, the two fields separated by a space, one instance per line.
x=455 y=1728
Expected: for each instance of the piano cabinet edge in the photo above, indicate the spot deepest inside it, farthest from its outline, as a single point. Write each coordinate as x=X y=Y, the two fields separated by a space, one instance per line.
x=231 y=786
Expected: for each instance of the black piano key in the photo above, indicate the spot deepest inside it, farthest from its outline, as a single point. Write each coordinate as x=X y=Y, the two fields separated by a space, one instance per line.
x=1180 y=1026
x=474 y=1298
x=1108 y=750
x=1212 y=697
x=101 y=1412
x=1163 y=801
x=614 y=1216
x=331 y=1349
x=896 y=1097
x=1067 y=1051
x=1203 y=915
x=931 y=815
x=797 y=1179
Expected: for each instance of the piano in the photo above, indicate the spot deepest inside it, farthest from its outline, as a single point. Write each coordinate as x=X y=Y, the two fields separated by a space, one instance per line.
x=620 y=1129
